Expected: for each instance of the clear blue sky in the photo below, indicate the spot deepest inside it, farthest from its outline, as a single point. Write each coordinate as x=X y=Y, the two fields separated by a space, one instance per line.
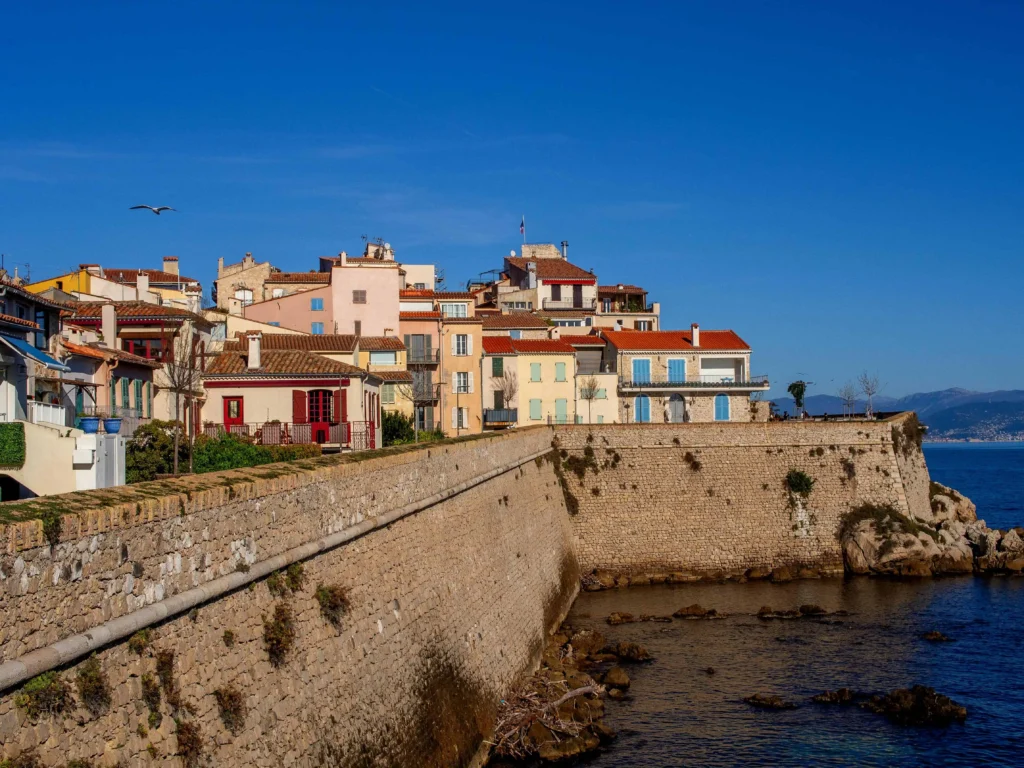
x=840 y=183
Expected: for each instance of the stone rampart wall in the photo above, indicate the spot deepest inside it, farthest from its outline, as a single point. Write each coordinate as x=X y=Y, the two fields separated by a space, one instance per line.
x=448 y=606
x=700 y=498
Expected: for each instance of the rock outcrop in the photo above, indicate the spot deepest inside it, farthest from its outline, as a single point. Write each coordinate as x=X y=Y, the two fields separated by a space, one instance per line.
x=880 y=540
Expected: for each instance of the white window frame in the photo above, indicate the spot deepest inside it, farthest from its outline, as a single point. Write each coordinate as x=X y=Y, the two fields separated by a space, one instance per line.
x=457 y=309
x=461 y=345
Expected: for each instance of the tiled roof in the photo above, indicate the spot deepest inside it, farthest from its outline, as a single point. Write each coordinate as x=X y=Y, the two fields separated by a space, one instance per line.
x=419 y=315
x=359 y=260
x=381 y=343
x=552 y=269
x=77 y=349
x=616 y=290
x=291 y=362
x=18 y=321
x=392 y=375
x=299 y=277
x=505 y=345
x=131 y=276
x=10 y=285
x=95 y=351
x=424 y=293
x=133 y=310
x=582 y=340
x=673 y=341
x=324 y=342
x=514 y=320
x=461 y=320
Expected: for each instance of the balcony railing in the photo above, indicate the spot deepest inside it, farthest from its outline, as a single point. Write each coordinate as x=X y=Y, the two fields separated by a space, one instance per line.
x=588 y=369
x=500 y=416
x=357 y=435
x=47 y=413
x=700 y=382
x=625 y=309
x=424 y=356
x=426 y=393
x=582 y=304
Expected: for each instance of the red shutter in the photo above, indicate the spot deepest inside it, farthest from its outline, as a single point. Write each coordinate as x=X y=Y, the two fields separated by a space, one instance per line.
x=338 y=418
x=343 y=398
x=299 y=407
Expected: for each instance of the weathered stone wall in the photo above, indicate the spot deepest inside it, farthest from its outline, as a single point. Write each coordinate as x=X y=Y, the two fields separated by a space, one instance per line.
x=700 y=498
x=448 y=606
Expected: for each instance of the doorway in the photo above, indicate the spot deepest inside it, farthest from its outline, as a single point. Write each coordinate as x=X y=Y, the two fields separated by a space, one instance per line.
x=234 y=413
x=676 y=409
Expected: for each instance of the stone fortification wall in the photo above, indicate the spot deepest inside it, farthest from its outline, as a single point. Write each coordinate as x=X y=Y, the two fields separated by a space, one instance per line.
x=702 y=498
x=448 y=605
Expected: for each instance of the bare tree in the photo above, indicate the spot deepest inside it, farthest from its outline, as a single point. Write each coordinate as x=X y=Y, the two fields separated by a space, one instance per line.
x=508 y=385
x=588 y=391
x=870 y=386
x=182 y=377
x=848 y=394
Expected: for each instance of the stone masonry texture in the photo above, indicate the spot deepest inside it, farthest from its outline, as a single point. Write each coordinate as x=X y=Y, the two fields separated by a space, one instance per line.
x=448 y=608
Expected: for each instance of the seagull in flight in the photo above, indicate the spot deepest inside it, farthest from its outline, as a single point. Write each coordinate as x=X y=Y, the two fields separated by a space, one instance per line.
x=156 y=210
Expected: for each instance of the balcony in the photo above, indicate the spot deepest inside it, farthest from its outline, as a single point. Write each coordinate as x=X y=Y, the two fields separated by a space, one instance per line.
x=625 y=309
x=424 y=356
x=500 y=417
x=356 y=435
x=591 y=369
x=47 y=413
x=426 y=393
x=700 y=382
x=584 y=305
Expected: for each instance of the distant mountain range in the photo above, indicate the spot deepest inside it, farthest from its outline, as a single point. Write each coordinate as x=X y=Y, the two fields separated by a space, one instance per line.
x=951 y=414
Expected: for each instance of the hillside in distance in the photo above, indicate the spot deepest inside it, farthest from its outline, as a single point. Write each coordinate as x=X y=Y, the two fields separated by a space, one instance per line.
x=951 y=414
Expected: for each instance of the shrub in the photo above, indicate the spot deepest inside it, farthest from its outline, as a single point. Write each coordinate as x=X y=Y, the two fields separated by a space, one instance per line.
x=190 y=742
x=24 y=760
x=150 y=452
x=79 y=764
x=213 y=454
x=396 y=428
x=152 y=751
x=908 y=435
x=12 y=445
x=295 y=577
x=92 y=686
x=232 y=708
x=799 y=483
x=692 y=461
x=151 y=692
x=333 y=601
x=279 y=634
x=46 y=694
x=165 y=671
x=139 y=642
x=229 y=638
x=887 y=519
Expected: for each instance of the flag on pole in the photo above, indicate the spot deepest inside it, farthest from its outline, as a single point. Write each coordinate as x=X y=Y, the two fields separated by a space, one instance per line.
x=522 y=226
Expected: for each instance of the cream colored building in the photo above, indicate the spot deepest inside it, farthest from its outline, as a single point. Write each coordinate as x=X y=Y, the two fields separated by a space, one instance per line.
x=461 y=351
x=528 y=381
x=677 y=376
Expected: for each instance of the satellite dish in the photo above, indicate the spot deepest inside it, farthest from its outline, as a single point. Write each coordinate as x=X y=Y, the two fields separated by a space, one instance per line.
x=512 y=253
x=387 y=246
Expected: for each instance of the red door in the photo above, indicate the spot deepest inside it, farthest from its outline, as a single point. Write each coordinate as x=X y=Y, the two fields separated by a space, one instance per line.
x=320 y=414
x=234 y=413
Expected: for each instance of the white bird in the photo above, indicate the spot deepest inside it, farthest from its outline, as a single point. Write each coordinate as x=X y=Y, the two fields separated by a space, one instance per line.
x=151 y=208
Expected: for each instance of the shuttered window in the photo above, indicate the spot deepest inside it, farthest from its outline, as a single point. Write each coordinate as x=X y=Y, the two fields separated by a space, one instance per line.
x=535 y=409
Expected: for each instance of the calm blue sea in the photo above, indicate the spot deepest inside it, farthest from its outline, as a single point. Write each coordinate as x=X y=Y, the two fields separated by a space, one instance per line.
x=678 y=715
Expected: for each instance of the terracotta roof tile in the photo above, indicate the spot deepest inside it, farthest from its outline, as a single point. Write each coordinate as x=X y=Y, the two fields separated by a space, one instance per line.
x=299 y=277
x=419 y=315
x=133 y=310
x=278 y=363
x=514 y=320
x=505 y=345
x=462 y=320
x=324 y=342
x=98 y=352
x=131 y=276
x=18 y=321
x=674 y=340
x=360 y=260
x=392 y=375
x=381 y=343
x=582 y=340
x=78 y=349
x=424 y=293
x=615 y=290
x=552 y=269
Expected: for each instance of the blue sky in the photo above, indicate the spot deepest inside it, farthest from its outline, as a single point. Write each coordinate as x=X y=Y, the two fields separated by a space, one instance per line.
x=839 y=182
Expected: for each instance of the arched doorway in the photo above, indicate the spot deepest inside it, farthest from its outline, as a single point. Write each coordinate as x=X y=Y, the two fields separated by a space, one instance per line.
x=676 y=409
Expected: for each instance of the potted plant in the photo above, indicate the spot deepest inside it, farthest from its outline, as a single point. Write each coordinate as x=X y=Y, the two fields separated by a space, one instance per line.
x=112 y=423
x=88 y=423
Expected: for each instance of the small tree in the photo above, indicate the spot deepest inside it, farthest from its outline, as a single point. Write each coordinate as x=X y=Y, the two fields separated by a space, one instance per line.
x=182 y=376
x=396 y=428
x=410 y=391
x=848 y=394
x=508 y=385
x=588 y=392
x=870 y=386
x=798 y=389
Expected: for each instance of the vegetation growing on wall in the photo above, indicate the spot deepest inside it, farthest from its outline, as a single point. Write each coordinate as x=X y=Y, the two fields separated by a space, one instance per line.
x=12 y=445
x=887 y=519
x=572 y=504
x=46 y=694
x=92 y=686
x=279 y=633
x=24 y=760
x=139 y=642
x=190 y=742
x=799 y=483
x=692 y=461
x=281 y=583
x=334 y=602
x=232 y=708
x=908 y=436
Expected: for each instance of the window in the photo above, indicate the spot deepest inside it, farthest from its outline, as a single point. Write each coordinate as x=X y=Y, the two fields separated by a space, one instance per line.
x=559 y=371
x=461 y=418
x=358 y=297
x=499 y=400
x=357 y=327
x=419 y=286
x=561 y=411
x=600 y=419
x=316 y=305
x=677 y=371
x=274 y=323
x=219 y=332
x=461 y=381
x=534 y=371
x=600 y=394
x=606 y=305
x=277 y=293
x=642 y=409
x=515 y=334
x=569 y=323
x=454 y=310
x=721 y=407
x=383 y=358
x=642 y=325
x=43 y=333
x=461 y=344
x=556 y=292
x=316 y=329
x=387 y=393
x=641 y=370
x=497 y=367
x=22 y=312
x=234 y=410
x=126 y=402
x=244 y=295
x=535 y=409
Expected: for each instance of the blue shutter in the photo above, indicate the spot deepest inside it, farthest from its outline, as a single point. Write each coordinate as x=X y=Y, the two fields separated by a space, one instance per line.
x=561 y=411
x=641 y=370
x=676 y=371
x=534 y=409
x=642 y=409
x=559 y=371
x=721 y=407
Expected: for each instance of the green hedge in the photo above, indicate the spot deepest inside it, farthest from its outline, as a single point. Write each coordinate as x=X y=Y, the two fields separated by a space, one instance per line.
x=213 y=454
x=12 y=445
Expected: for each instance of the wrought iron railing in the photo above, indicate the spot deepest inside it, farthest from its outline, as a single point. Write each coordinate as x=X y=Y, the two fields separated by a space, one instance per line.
x=357 y=435
x=699 y=382
x=424 y=356
x=501 y=415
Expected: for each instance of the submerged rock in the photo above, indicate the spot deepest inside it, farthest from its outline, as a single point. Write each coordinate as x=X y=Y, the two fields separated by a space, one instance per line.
x=631 y=652
x=936 y=637
x=616 y=677
x=620 y=618
x=810 y=609
x=769 y=702
x=917 y=706
x=694 y=611
x=841 y=696
x=587 y=642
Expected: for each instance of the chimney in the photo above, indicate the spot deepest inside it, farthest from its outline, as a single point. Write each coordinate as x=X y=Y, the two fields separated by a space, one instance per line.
x=619 y=325
x=342 y=259
x=171 y=264
x=108 y=326
x=254 y=351
x=220 y=266
x=695 y=331
x=194 y=297
x=556 y=332
x=142 y=285
x=565 y=250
